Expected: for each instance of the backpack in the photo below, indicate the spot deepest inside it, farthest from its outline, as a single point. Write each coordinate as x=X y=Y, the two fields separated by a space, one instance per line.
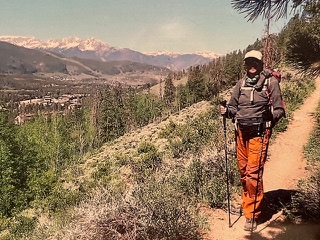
x=277 y=76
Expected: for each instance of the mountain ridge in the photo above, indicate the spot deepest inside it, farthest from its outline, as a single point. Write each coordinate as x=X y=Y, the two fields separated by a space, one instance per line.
x=96 y=49
x=20 y=60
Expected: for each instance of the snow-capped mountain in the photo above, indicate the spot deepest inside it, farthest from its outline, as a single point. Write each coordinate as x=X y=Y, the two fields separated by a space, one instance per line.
x=28 y=42
x=206 y=54
x=90 y=44
x=97 y=50
x=159 y=53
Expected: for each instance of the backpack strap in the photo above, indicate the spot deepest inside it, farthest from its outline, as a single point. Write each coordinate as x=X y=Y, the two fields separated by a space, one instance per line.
x=261 y=87
x=267 y=85
x=248 y=88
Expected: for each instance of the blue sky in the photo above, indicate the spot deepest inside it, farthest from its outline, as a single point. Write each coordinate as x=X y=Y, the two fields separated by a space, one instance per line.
x=183 y=26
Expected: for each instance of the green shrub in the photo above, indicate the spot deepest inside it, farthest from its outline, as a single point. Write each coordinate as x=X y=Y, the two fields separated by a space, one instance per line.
x=171 y=127
x=147 y=161
x=147 y=107
x=59 y=199
x=193 y=179
x=192 y=136
x=311 y=149
x=21 y=226
x=308 y=198
x=294 y=93
x=205 y=181
x=103 y=172
x=122 y=159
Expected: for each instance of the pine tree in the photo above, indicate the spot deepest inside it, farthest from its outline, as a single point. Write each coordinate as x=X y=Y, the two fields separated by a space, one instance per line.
x=111 y=121
x=303 y=40
x=278 y=9
x=233 y=66
x=147 y=108
x=13 y=170
x=196 y=85
x=169 y=91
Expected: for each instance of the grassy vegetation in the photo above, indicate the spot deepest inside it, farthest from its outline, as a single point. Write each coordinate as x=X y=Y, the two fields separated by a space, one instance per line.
x=294 y=91
x=308 y=199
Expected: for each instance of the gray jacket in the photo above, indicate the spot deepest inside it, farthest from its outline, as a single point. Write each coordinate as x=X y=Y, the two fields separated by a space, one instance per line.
x=261 y=101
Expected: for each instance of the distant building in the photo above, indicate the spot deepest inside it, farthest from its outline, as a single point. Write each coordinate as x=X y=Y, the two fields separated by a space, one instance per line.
x=20 y=119
x=67 y=101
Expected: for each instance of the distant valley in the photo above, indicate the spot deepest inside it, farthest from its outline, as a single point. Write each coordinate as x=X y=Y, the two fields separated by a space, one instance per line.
x=16 y=60
x=33 y=69
x=36 y=74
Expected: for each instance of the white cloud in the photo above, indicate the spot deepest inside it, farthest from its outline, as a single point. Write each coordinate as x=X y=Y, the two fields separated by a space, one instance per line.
x=174 y=30
x=175 y=34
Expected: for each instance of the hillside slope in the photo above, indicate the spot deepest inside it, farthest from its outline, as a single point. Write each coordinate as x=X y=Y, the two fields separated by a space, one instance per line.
x=129 y=142
x=21 y=60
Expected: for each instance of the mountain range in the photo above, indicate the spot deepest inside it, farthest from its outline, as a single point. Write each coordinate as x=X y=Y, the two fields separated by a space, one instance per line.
x=94 y=49
x=25 y=63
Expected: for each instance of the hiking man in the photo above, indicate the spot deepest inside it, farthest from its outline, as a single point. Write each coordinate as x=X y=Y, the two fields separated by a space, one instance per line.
x=256 y=106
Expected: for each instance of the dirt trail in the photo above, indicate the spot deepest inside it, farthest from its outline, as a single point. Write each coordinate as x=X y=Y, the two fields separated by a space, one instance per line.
x=284 y=168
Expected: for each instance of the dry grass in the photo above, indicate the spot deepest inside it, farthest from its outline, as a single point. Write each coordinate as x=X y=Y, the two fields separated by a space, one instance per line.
x=128 y=143
x=102 y=217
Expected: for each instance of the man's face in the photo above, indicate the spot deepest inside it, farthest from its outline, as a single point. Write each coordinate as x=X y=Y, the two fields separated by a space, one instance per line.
x=253 y=66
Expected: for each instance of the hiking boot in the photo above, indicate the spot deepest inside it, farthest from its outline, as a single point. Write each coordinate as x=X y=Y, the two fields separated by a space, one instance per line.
x=250 y=224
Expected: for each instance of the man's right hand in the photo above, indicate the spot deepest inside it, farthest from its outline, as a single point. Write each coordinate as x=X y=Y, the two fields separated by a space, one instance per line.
x=223 y=108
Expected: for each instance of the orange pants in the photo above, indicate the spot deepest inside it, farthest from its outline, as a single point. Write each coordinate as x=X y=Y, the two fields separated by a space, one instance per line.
x=251 y=156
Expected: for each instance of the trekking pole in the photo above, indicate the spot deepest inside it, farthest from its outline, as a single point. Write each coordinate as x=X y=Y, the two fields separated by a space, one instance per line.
x=224 y=103
x=258 y=177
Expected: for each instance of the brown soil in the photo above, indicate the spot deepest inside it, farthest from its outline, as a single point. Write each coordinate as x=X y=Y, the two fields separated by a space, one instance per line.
x=285 y=166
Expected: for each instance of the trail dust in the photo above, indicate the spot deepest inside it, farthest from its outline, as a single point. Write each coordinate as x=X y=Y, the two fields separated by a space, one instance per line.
x=284 y=167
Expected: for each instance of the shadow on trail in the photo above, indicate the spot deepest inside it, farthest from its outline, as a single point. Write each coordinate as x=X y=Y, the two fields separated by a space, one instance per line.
x=290 y=232
x=275 y=201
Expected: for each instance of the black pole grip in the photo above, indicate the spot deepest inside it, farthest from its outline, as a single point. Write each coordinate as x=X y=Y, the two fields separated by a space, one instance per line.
x=223 y=103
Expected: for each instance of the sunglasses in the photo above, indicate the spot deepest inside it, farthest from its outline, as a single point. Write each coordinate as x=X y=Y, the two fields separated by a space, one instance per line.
x=252 y=62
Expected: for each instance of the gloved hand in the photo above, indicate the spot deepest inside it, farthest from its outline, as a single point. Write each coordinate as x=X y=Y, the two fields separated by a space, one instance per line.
x=223 y=108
